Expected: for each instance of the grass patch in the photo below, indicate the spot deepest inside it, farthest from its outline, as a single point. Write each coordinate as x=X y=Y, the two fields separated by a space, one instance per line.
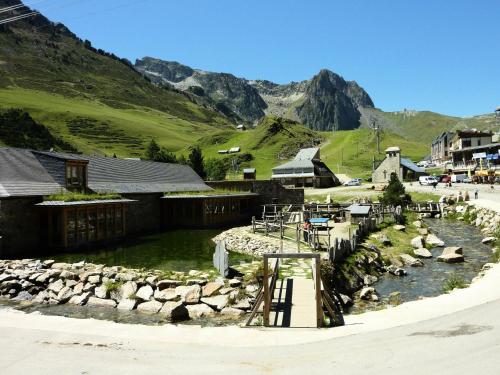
x=454 y=282
x=80 y=197
x=424 y=197
x=208 y=192
x=113 y=286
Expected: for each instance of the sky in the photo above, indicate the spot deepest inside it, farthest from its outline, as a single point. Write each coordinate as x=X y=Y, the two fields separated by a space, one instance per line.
x=436 y=55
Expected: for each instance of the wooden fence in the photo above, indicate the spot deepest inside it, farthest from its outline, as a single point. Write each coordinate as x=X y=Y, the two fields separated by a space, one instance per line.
x=342 y=248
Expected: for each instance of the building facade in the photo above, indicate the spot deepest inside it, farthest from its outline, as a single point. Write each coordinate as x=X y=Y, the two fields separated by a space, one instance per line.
x=440 y=148
x=305 y=170
x=404 y=168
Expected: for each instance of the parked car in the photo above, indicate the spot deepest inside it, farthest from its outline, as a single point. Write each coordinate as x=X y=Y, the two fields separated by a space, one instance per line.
x=458 y=177
x=467 y=180
x=427 y=180
x=353 y=182
x=444 y=178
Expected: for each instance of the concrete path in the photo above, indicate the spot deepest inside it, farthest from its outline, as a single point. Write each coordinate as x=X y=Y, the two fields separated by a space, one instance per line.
x=295 y=303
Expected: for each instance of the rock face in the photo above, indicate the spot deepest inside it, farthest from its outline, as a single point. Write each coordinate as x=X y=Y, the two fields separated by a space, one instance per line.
x=453 y=254
x=325 y=102
x=408 y=260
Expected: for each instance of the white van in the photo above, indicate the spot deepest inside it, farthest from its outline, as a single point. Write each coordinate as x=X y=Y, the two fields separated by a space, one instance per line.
x=458 y=177
x=427 y=180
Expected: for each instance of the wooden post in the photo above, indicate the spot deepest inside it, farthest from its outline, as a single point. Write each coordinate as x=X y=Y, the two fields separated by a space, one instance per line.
x=265 y=224
x=319 y=304
x=267 y=297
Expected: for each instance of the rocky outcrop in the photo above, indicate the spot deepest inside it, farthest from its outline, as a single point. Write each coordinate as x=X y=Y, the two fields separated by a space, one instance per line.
x=96 y=286
x=325 y=102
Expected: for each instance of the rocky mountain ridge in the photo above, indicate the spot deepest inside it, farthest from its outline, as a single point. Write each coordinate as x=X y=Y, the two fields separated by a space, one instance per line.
x=324 y=102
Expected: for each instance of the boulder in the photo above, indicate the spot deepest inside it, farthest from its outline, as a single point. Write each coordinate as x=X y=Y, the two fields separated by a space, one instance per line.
x=211 y=288
x=196 y=281
x=369 y=280
x=6 y=277
x=242 y=304
x=150 y=307
x=417 y=224
x=23 y=296
x=434 y=240
x=189 y=294
x=200 y=311
x=346 y=300
x=145 y=293
x=367 y=292
x=101 y=292
x=80 y=300
x=68 y=275
x=151 y=280
x=127 y=304
x=423 y=231
x=399 y=227
x=234 y=283
x=164 y=284
x=65 y=294
x=217 y=302
x=384 y=240
x=99 y=302
x=422 y=253
x=56 y=286
x=232 y=312
x=408 y=260
x=417 y=242
x=94 y=279
x=451 y=254
x=487 y=240
x=226 y=290
x=41 y=297
x=175 y=311
x=165 y=295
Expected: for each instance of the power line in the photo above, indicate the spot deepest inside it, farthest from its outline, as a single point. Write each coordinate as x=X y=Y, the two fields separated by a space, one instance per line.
x=17 y=18
x=14 y=7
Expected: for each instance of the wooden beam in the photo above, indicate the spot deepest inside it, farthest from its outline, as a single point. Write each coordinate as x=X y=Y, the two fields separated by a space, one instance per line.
x=319 y=305
x=267 y=297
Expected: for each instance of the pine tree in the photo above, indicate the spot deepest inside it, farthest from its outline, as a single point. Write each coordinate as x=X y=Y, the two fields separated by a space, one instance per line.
x=152 y=150
x=395 y=194
x=195 y=161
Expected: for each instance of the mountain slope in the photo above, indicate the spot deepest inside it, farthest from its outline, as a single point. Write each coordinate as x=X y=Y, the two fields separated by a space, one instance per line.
x=62 y=80
x=325 y=102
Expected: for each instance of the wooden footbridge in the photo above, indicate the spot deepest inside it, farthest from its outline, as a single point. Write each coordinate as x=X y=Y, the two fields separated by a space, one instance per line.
x=296 y=302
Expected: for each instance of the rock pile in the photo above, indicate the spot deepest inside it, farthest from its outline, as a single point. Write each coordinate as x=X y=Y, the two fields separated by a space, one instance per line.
x=182 y=297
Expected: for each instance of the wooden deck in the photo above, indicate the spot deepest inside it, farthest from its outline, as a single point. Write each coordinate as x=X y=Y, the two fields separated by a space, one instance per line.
x=294 y=304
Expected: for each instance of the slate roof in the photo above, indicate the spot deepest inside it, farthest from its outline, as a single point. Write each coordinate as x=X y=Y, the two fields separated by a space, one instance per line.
x=33 y=173
x=357 y=209
x=307 y=153
x=407 y=163
x=249 y=170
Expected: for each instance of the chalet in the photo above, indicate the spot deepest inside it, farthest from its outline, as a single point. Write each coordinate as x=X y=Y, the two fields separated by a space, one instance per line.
x=404 y=168
x=147 y=196
x=306 y=170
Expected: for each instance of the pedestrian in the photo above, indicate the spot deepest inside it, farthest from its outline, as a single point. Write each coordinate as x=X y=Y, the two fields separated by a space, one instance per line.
x=434 y=184
x=476 y=194
x=306 y=227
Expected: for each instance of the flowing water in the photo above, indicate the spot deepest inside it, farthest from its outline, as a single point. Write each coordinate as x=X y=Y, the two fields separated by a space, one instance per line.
x=428 y=281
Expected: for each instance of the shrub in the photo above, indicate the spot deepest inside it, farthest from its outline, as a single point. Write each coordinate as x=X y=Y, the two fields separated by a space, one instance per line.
x=454 y=282
x=113 y=286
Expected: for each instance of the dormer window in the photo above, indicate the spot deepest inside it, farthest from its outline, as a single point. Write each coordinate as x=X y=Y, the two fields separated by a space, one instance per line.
x=76 y=175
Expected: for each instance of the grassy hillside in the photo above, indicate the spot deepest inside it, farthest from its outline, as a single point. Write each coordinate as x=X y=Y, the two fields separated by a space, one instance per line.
x=269 y=145
x=91 y=98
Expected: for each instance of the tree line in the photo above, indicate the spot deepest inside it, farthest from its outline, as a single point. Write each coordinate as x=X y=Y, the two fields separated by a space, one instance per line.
x=210 y=169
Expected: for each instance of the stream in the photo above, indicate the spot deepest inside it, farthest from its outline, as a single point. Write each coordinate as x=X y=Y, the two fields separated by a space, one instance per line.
x=428 y=281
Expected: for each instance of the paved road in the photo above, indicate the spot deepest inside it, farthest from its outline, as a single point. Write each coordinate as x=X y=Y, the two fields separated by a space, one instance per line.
x=467 y=342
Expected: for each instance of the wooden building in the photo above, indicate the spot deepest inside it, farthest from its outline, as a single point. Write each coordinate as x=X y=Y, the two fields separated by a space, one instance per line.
x=249 y=174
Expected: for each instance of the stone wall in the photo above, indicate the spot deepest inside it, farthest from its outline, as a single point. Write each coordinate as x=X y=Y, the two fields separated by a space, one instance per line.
x=144 y=215
x=269 y=191
x=19 y=226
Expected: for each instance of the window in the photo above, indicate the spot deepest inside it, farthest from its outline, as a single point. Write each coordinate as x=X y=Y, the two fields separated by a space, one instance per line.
x=76 y=176
x=466 y=143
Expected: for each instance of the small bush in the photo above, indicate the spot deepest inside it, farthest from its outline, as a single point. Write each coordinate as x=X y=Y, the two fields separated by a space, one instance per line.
x=454 y=282
x=113 y=286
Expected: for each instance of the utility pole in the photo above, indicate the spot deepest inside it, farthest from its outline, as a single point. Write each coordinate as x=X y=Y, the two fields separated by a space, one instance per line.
x=377 y=130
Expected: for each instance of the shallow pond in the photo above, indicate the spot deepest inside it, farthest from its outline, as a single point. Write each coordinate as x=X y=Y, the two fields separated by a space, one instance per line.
x=178 y=250
x=428 y=281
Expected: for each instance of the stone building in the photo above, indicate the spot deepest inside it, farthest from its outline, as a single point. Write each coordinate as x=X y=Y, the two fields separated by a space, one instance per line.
x=404 y=168
x=148 y=197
